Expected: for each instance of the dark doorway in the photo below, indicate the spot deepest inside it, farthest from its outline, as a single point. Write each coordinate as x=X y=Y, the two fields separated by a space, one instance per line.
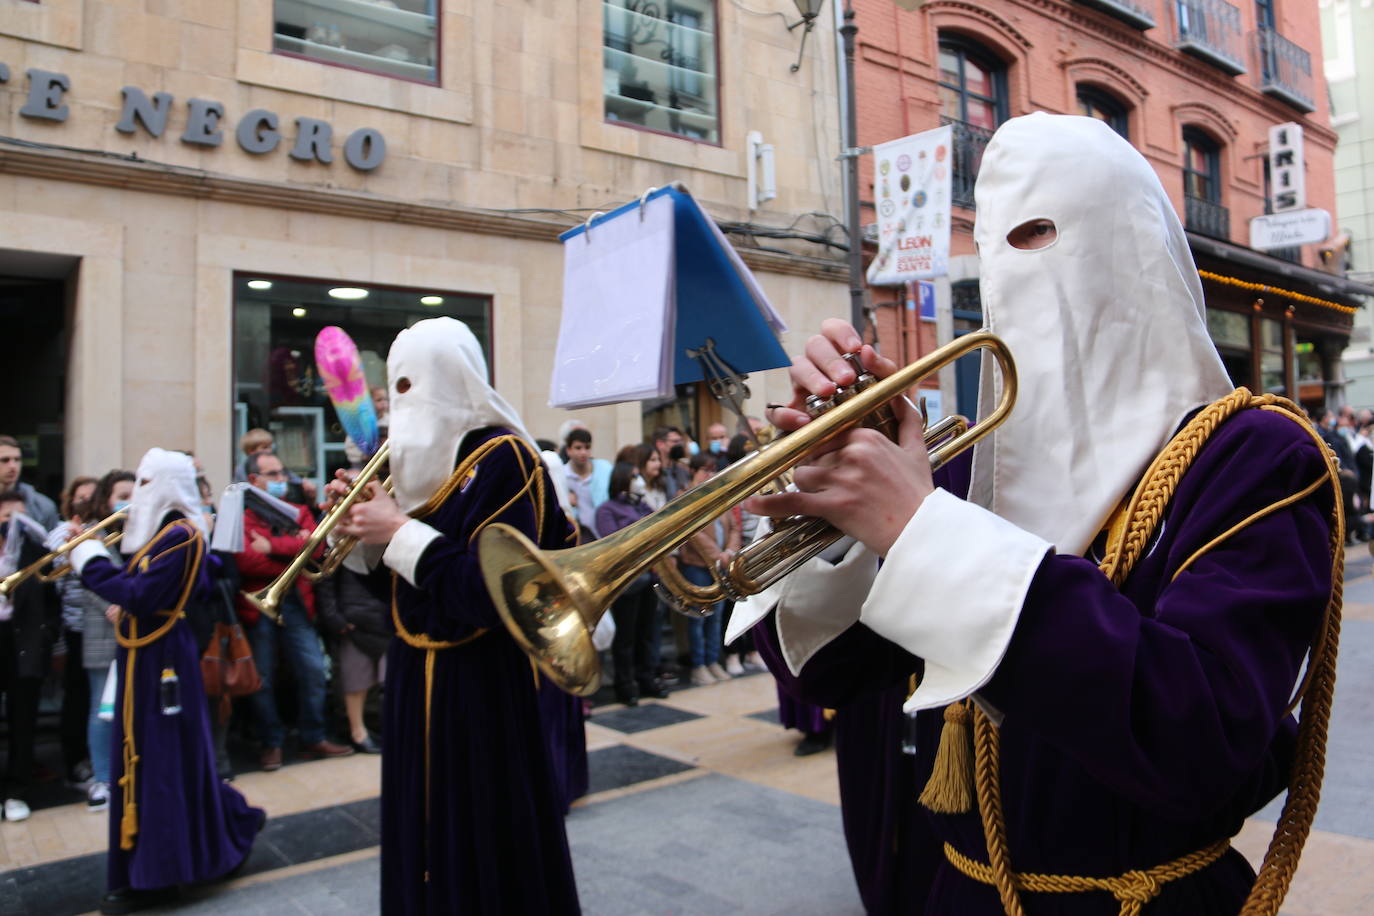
x=33 y=372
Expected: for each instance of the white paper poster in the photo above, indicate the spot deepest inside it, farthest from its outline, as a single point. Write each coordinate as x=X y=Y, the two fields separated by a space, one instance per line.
x=911 y=186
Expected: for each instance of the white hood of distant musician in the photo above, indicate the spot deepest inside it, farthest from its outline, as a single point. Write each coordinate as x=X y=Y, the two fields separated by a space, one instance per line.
x=166 y=482
x=447 y=398
x=1107 y=325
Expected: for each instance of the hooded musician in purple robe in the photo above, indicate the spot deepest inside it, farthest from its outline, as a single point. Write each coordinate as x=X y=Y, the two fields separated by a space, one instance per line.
x=172 y=821
x=472 y=820
x=1125 y=631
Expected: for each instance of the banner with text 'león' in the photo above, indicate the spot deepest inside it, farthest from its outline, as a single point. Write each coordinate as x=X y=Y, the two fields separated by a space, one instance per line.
x=911 y=187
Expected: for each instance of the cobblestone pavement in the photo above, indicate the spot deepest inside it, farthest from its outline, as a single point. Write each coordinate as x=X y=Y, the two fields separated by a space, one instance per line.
x=697 y=806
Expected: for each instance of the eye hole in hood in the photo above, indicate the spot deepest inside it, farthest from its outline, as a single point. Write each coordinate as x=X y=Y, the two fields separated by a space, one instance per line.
x=1033 y=235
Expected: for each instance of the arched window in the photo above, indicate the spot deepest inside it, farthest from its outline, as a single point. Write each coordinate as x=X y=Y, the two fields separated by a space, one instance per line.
x=1203 y=211
x=1095 y=103
x=973 y=100
x=1201 y=166
x=973 y=84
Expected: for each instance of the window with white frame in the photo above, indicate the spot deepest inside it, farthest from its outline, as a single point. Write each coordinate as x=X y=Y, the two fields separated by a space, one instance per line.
x=660 y=67
x=393 y=37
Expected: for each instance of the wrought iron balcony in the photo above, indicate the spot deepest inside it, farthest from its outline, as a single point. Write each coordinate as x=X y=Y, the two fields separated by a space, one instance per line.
x=969 y=143
x=1210 y=29
x=1206 y=218
x=1283 y=69
x=1138 y=14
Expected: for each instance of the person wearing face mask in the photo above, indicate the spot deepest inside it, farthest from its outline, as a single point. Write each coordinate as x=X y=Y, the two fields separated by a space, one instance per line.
x=1116 y=595
x=271 y=541
x=635 y=608
x=472 y=815
x=172 y=821
x=98 y=643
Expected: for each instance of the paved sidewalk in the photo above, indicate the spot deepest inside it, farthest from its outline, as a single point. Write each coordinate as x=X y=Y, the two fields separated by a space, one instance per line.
x=697 y=806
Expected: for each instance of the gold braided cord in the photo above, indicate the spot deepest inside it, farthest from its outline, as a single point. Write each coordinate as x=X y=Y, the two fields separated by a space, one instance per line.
x=1126 y=544
x=1132 y=890
x=128 y=780
x=1277 y=290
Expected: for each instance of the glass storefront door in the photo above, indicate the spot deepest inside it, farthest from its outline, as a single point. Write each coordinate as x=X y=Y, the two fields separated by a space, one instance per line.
x=276 y=386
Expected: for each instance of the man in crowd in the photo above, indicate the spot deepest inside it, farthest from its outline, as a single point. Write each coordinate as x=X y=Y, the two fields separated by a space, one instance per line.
x=671 y=446
x=588 y=478
x=268 y=548
x=39 y=507
x=260 y=440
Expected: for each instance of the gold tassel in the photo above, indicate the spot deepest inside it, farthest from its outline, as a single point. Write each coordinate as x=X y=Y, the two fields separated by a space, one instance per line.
x=950 y=789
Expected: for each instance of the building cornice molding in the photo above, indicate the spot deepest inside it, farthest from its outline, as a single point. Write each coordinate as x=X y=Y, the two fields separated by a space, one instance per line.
x=1195 y=112
x=951 y=11
x=1110 y=73
x=119 y=172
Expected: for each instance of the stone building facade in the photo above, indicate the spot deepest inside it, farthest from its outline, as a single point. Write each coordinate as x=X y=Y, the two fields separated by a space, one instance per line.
x=190 y=188
x=1195 y=85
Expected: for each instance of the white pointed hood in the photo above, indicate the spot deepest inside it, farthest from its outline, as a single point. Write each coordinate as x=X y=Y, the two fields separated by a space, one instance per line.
x=1107 y=325
x=439 y=363
x=166 y=481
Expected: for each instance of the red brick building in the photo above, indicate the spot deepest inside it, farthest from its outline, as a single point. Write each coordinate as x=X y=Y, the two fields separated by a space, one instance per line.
x=1194 y=85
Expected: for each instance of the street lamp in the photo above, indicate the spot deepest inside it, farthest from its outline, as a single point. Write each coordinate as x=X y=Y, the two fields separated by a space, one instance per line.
x=809 y=10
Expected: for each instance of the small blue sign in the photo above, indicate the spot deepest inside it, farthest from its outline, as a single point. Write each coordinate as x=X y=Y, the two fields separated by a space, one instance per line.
x=925 y=296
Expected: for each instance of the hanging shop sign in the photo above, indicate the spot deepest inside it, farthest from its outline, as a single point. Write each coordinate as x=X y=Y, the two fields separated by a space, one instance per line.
x=912 y=188
x=257 y=132
x=1293 y=227
x=1287 y=174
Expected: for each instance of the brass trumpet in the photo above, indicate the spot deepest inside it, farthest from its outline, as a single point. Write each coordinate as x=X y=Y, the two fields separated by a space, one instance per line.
x=268 y=600
x=12 y=581
x=551 y=600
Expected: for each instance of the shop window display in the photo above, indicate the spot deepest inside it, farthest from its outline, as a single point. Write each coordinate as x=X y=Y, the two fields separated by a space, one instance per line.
x=660 y=66
x=276 y=385
x=393 y=37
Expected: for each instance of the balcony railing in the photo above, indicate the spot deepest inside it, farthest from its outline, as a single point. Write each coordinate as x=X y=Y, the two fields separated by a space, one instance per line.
x=1210 y=29
x=969 y=143
x=1206 y=217
x=1283 y=69
x=1138 y=14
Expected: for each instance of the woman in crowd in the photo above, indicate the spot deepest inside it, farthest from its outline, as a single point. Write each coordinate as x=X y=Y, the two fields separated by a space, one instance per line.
x=76 y=503
x=636 y=609
x=359 y=623
x=717 y=543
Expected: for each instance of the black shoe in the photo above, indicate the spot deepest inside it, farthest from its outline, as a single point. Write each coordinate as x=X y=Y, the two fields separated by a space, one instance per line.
x=653 y=689
x=812 y=744
x=628 y=697
x=366 y=746
x=131 y=900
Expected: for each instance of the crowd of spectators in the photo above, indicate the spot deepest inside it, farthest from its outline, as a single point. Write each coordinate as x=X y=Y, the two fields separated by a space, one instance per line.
x=333 y=634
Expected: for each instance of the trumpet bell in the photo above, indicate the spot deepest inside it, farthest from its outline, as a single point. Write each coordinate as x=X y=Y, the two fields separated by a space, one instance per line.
x=557 y=633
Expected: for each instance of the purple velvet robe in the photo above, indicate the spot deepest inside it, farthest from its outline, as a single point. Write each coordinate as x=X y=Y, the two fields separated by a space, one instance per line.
x=192 y=827
x=1141 y=724
x=565 y=734
x=491 y=837
x=807 y=718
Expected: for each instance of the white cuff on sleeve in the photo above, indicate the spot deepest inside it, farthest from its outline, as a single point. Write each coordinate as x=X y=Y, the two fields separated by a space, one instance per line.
x=820 y=601
x=407 y=544
x=950 y=591
x=86 y=551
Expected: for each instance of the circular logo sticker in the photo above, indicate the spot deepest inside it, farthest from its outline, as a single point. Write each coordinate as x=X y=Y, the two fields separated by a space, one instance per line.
x=884 y=166
x=920 y=199
x=903 y=162
x=887 y=207
x=906 y=182
x=940 y=153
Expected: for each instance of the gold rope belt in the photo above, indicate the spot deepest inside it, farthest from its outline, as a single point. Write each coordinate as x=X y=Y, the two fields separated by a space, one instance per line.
x=1132 y=890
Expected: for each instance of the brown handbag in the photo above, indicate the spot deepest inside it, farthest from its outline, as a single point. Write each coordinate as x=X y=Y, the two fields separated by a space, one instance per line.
x=227 y=666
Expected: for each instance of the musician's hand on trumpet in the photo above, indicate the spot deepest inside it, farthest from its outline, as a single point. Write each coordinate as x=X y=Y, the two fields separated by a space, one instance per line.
x=861 y=482
x=373 y=520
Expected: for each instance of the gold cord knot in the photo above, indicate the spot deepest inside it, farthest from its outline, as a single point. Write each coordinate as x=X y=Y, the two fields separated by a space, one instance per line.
x=1137 y=887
